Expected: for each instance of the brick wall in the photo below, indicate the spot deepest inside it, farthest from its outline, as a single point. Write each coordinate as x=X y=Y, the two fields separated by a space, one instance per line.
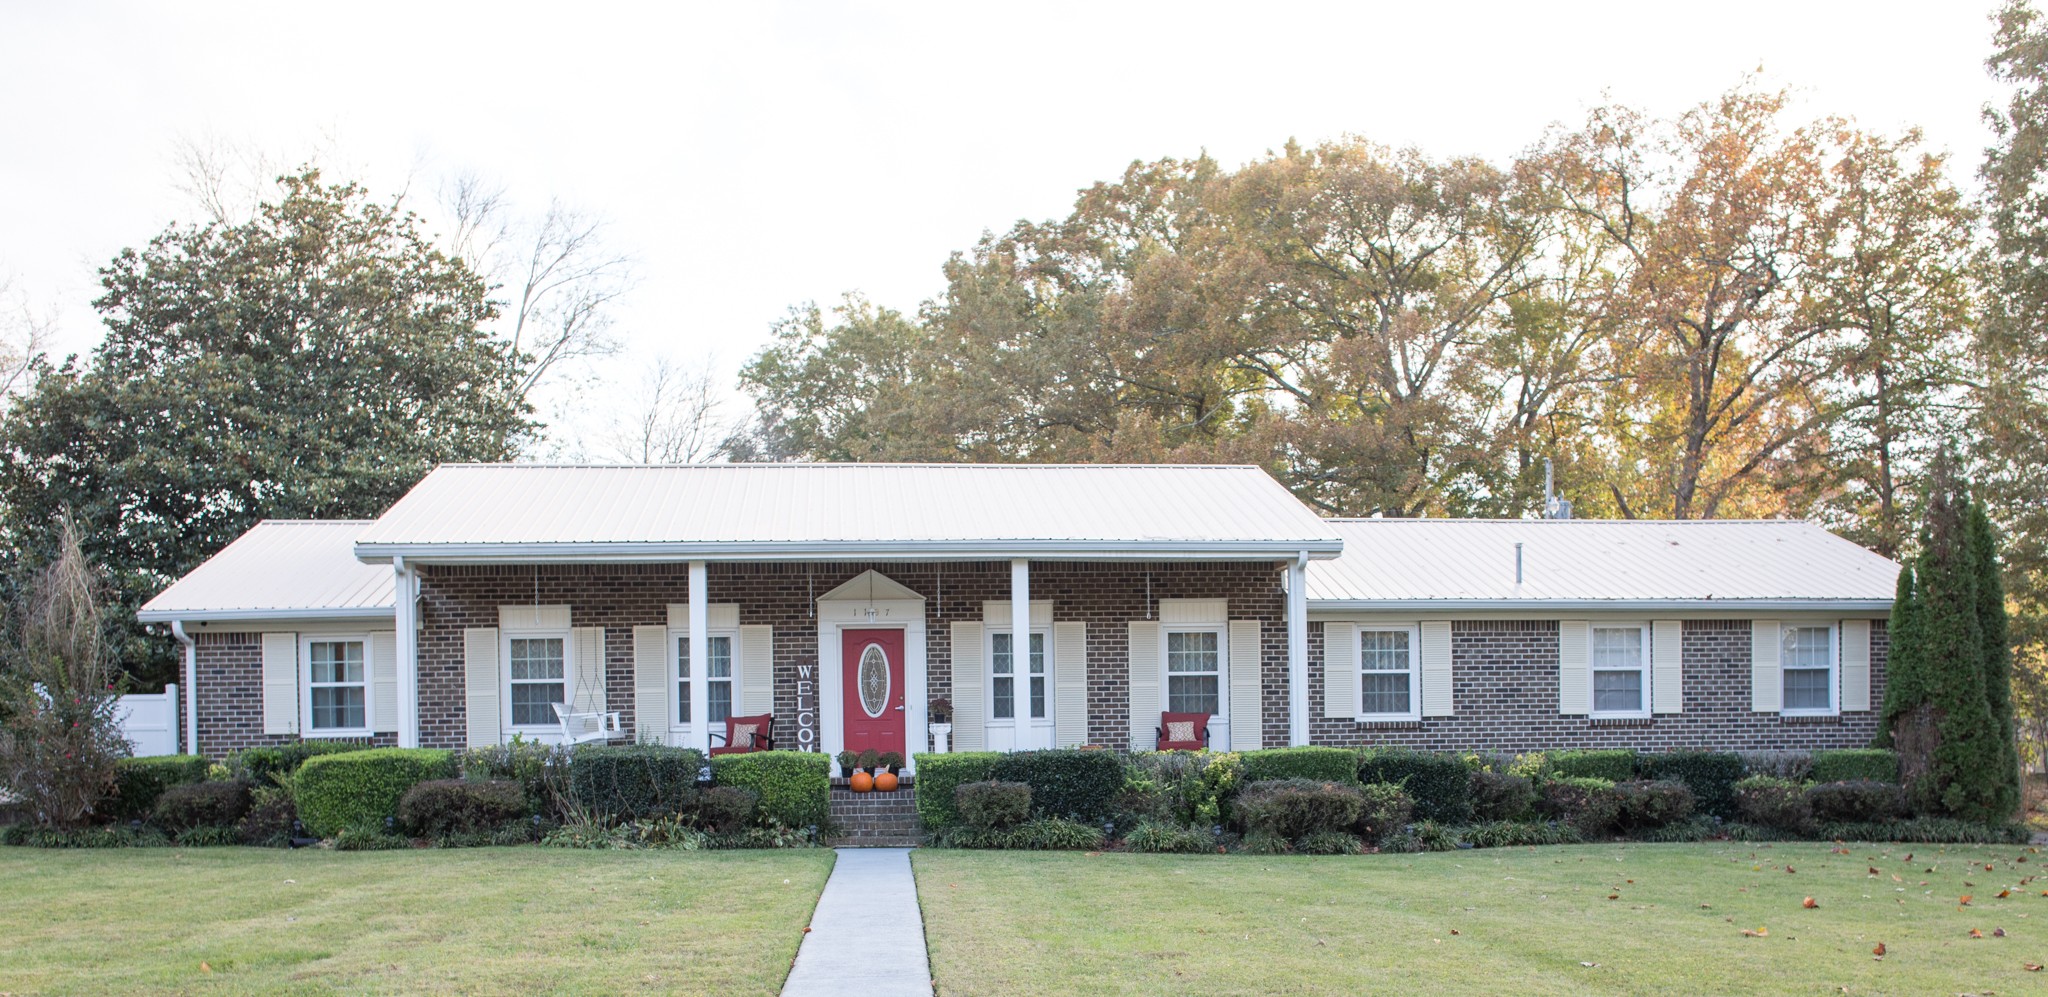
x=1504 y=695
x=620 y=597
x=230 y=694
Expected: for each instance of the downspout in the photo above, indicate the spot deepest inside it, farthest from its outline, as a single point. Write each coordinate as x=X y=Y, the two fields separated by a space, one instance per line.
x=1297 y=650
x=191 y=686
x=404 y=621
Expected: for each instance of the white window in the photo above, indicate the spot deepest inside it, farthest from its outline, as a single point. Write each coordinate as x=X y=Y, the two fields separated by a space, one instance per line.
x=537 y=670
x=1194 y=671
x=337 y=685
x=718 y=680
x=1389 y=679
x=1808 y=670
x=1007 y=695
x=1621 y=671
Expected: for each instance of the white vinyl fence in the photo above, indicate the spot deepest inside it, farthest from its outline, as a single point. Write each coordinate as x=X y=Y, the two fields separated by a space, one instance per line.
x=150 y=722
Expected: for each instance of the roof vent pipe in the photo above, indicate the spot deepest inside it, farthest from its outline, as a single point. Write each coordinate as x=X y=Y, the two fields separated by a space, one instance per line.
x=1518 y=563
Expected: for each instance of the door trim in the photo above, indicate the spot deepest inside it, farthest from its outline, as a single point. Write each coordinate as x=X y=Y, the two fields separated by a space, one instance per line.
x=838 y=615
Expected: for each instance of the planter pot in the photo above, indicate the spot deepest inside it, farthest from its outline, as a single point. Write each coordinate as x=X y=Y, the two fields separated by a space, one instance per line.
x=860 y=782
x=885 y=782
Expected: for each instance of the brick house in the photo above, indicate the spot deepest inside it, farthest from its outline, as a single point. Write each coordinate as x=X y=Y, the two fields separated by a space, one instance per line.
x=844 y=601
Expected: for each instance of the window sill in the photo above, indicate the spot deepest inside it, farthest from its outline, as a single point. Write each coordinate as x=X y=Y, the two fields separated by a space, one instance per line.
x=1621 y=721
x=337 y=735
x=1795 y=719
x=1389 y=723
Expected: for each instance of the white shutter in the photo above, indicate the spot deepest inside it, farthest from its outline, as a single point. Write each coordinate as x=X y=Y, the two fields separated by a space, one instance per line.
x=587 y=693
x=651 y=681
x=1574 y=680
x=1436 y=668
x=1247 y=700
x=1070 y=684
x=1144 y=679
x=1340 y=671
x=480 y=686
x=970 y=727
x=1766 y=689
x=384 y=681
x=757 y=670
x=1855 y=665
x=1667 y=666
x=281 y=683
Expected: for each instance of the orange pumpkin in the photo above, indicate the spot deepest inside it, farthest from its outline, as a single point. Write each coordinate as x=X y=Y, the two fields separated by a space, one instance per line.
x=860 y=781
x=885 y=782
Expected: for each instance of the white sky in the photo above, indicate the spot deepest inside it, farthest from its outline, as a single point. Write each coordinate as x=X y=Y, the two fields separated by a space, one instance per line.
x=752 y=156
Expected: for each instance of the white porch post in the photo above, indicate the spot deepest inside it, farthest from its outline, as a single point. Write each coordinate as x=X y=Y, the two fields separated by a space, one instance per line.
x=1297 y=650
x=700 y=658
x=1020 y=648
x=406 y=640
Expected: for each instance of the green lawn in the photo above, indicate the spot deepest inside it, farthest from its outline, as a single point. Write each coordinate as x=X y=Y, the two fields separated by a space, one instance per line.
x=485 y=920
x=1525 y=921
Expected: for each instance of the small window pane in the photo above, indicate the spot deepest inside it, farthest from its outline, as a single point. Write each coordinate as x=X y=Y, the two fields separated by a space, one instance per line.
x=1383 y=650
x=536 y=658
x=1807 y=647
x=1001 y=656
x=1004 y=706
x=721 y=657
x=1387 y=693
x=1192 y=694
x=683 y=702
x=1193 y=651
x=719 y=695
x=1618 y=691
x=1617 y=647
x=338 y=708
x=1038 y=696
x=531 y=702
x=1807 y=689
x=337 y=661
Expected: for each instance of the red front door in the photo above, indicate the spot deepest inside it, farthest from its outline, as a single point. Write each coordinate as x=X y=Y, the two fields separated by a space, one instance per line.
x=871 y=663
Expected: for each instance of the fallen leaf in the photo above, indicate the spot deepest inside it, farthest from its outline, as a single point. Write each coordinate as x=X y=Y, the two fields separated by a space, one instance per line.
x=1878 y=951
x=1808 y=903
x=1896 y=879
x=807 y=929
x=1790 y=869
x=1964 y=901
x=205 y=968
x=1987 y=867
x=1974 y=933
x=1998 y=932
x=1758 y=933
x=1614 y=896
x=2031 y=967
x=1590 y=965
x=2002 y=894
x=1873 y=870
x=1454 y=931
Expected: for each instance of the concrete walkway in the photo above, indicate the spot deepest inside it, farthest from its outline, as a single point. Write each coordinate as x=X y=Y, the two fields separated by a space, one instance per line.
x=867 y=936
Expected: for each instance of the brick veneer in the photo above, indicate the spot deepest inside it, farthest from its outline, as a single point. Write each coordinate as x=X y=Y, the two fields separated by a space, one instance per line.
x=230 y=694
x=1504 y=697
x=1106 y=596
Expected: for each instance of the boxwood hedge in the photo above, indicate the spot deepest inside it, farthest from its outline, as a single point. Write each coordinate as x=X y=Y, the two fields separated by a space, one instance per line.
x=635 y=782
x=1855 y=765
x=362 y=788
x=1711 y=775
x=1319 y=764
x=138 y=782
x=1613 y=764
x=1440 y=785
x=795 y=786
x=1065 y=782
x=938 y=775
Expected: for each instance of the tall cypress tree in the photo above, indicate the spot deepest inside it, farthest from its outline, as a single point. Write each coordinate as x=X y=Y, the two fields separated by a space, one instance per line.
x=1997 y=652
x=1905 y=673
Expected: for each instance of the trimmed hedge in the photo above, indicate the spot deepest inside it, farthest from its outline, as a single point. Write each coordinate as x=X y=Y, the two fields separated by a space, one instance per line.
x=1387 y=808
x=939 y=775
x=1778 y=804
x=1065 y=782
x=1318 y=764
x=1293 y=809
x=1590 y=805
x=201 y=804
x=1612 y=764
x=1860 y=801
x=257 y=765
x=362 y=788
x=1711 y=775
x=993 y=805
x=138 y=782
x=1440 y=785
x=1856 y=765
x=795 y=786
x=440 y=807
x=634 y=782
x=1500 y=796
x=1649 y=804
x=727 y=809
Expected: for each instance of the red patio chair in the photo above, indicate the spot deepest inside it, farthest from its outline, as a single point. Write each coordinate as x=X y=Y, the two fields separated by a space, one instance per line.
x=744 y=734
x=1183 y=731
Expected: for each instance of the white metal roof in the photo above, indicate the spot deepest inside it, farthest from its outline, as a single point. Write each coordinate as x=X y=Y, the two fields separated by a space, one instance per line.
x=1462 y=563
x=756 y=511
x=283 y=568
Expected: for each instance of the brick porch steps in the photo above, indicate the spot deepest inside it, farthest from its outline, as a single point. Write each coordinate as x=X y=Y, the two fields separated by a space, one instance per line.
x=875 y=820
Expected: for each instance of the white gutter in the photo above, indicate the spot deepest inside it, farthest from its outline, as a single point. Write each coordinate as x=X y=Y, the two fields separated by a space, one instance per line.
x=1596 y=605
x=309 y=613
x=1037 y=550
x=191 y=686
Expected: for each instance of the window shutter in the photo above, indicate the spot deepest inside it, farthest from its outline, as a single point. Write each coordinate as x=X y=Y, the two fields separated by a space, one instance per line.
x=1247 y=701
x=384 y=681
x=1574 y=679
x=1667 y=666
x=1855 y=665
x=1144 y=678
x=1436 y=668
x=1340 y=671
x=1766 y=688
x=757 y=669
x=1070 y=682
x=281 y=683
x=586 y=690
x=970 y=730
x=480 y=686
x=651 y=680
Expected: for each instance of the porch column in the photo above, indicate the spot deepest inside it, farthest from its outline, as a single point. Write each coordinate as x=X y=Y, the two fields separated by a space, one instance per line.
x=700 y=658
x=1020 y=650
x=1297 y=650
x=406 y=642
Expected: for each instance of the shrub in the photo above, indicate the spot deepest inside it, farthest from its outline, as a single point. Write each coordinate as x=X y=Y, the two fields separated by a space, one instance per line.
x=1180 y=787
x=1648 y=804
x=441 y=807
x=1590 y=805
x=726 y=809
x=993 y=805
x=1855 y=765
x=1793 y=765
x=539 y=769
x=1711 y=775
x=1862 y=800
x=1315 y=764
x=1265 y=843
x=938 y=775
x=261 y=765
x=369 y=836
x=361 y=788
x=1295 y=808
x=1930 y=830
x=138 y=782
x=206 y=836
x=1156 y=836
x=270 y=818
x=1328 y=843
x=1422 y=836
x=1613 y=765
x=1771 y=802
x=30 y=836
x=1054 y=834
x=1500 y=796
x=1386 y=807
x=1516 y=834
x=634 y=782
x=201 y=804
x=795 y=787
x=1693 y=829
x=1066 y=782
x=1440 y=785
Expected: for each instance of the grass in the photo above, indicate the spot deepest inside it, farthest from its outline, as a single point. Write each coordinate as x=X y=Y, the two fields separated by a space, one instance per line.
x=484 y=920
x=1617 y=919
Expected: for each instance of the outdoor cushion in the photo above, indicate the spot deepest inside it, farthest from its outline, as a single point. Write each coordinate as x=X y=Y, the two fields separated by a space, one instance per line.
x=744 y=734
x=1183 y=731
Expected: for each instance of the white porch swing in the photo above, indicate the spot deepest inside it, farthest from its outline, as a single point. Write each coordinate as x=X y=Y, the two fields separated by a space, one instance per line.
x=580 y=728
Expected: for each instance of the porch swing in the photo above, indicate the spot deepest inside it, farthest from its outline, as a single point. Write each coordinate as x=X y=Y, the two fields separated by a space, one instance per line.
x=581 y=728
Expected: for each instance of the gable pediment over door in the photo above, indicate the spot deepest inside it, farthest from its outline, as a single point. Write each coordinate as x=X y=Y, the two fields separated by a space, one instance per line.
x=871 y=586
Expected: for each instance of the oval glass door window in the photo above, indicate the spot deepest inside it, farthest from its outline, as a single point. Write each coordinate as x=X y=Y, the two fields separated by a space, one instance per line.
x=874 y=680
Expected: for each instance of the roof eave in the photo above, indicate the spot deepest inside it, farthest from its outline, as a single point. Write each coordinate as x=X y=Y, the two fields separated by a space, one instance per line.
x=1321 y=549
x=296 y=613
x=1597 y=605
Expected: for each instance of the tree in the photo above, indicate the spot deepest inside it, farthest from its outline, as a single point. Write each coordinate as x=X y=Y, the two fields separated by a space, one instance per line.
x=675 y=419
x=312 y=362
x=59 y=738
x=1996 y=652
